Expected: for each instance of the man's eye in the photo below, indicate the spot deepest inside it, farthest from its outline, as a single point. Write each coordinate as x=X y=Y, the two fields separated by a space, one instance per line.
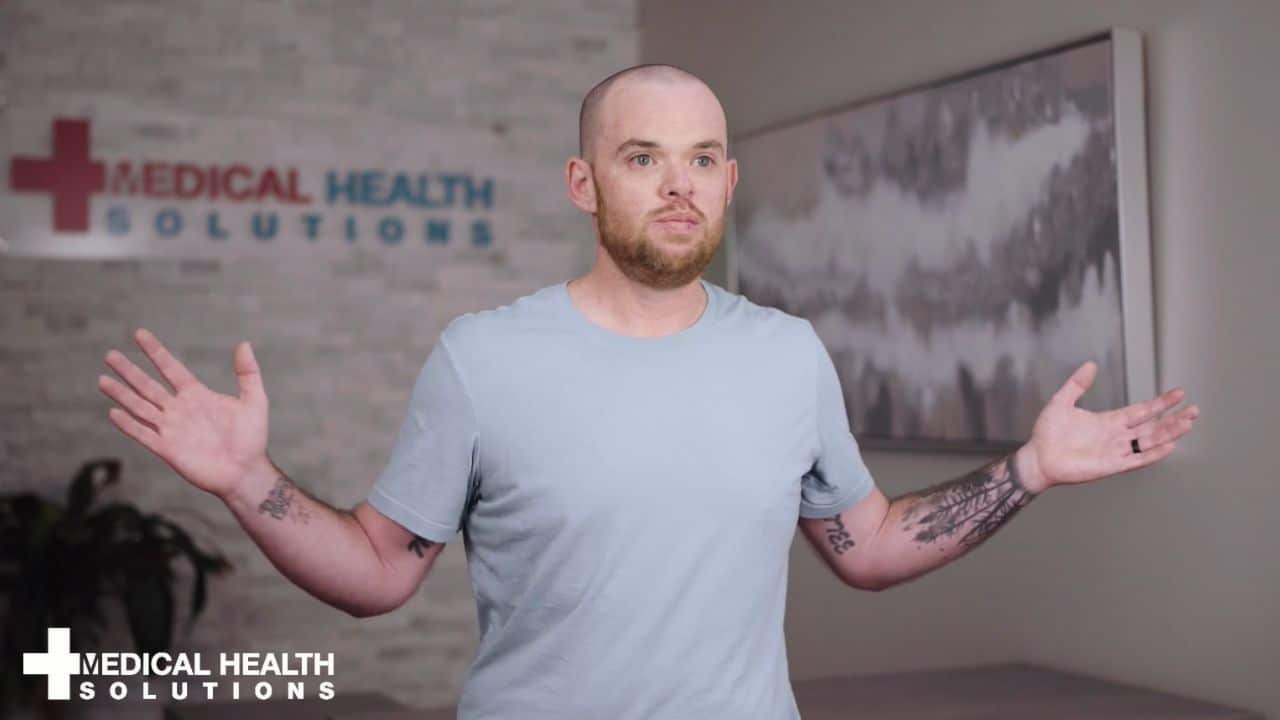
x=637 y=159
x=709 y=160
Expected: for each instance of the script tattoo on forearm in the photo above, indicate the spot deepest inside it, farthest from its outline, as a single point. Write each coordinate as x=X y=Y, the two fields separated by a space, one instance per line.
x=839 y=538
x=278 y=498
x=418 y=544
x=988 y=497
x=279 y=501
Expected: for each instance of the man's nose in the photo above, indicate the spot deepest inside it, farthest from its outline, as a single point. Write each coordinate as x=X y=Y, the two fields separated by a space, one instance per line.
x=676 y=183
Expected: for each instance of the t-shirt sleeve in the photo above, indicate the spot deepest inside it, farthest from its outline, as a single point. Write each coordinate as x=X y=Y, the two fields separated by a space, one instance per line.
x=429 y=484
x=839 y=478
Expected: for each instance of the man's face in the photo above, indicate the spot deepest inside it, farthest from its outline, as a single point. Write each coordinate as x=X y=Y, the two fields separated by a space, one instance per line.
x=662 y=180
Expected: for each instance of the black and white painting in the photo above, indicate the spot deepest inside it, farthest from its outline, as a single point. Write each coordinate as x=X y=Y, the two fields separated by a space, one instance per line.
x=958 y=247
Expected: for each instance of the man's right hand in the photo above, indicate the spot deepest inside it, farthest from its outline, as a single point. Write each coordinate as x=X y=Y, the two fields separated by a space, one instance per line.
x=212 y=440
x=361 y=561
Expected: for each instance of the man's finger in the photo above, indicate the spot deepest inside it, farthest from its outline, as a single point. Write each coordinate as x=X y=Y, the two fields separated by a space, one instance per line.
x=175 y=372
x=134 y=429
x=129 y=400
x=1166 y=430
x=1078 y=383
x=1132 y=461
x=144 y=384
x=1139 y=413
x=248 y=374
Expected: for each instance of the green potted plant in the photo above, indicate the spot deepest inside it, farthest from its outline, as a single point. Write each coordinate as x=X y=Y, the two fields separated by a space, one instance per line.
x=58 y=561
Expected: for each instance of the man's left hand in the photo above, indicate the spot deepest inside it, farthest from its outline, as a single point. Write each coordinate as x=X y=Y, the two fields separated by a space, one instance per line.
x=1071 y=445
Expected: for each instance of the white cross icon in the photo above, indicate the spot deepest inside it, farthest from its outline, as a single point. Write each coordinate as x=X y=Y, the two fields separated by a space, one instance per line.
x=59 y=664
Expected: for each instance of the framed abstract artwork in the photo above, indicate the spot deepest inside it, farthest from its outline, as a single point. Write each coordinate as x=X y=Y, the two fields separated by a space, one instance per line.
x=962 y=247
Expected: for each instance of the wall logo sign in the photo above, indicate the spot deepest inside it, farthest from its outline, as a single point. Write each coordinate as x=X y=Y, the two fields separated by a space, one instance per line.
x=70 y=175
x=58 y=664
x=223 y=203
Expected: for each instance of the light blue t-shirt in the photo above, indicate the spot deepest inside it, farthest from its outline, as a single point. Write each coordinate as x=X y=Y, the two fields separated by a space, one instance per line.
x=627 y=504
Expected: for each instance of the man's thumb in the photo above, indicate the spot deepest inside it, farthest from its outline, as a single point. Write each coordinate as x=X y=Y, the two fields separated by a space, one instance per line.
x=1079 y=382
x=248 y=373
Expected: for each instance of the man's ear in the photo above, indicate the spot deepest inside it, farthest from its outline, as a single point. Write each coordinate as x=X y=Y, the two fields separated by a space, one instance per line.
x=582 y=191
x=732 y=169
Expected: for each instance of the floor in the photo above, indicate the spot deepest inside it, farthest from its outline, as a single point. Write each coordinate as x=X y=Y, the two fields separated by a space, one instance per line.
x=976 y=693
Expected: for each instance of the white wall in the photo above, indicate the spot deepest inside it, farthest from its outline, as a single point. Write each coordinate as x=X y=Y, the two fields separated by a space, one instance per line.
x=1165 y=577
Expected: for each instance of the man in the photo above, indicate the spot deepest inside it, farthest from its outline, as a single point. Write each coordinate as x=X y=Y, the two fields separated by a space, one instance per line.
x=627 y=455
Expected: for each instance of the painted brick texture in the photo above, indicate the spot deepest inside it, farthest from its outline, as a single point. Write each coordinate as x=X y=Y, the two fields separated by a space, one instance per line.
x=340 y=333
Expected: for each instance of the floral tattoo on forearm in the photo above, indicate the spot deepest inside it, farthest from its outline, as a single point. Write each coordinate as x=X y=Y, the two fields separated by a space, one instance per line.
x=978 y=503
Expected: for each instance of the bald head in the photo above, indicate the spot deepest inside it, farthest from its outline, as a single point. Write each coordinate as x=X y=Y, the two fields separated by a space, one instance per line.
x=590 y=115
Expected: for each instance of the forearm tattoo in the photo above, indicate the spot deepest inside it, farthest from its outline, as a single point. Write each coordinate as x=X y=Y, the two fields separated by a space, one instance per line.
x=978 y=503
x=418 y=544
x=279 y=502
x=839 y=538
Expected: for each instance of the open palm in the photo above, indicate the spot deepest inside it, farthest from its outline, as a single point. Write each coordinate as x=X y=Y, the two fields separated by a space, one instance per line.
x=209 y=438
x=1072 y=445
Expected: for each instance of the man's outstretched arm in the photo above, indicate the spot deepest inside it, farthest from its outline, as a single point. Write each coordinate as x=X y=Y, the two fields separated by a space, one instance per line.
x=877 y=543
x=359 y=561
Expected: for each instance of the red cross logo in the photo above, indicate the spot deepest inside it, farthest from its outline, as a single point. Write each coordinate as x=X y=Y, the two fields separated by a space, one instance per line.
x=71 y=176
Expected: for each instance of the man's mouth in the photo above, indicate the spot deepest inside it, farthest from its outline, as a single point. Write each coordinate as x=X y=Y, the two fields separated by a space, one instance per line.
x=680 y=222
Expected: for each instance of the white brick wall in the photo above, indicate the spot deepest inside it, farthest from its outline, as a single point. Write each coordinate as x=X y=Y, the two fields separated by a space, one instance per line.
x=340 y=336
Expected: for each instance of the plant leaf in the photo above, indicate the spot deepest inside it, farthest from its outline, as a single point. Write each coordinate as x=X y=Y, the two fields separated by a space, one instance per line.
x=201 y=563
x=82 y=490
x=149 y=605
